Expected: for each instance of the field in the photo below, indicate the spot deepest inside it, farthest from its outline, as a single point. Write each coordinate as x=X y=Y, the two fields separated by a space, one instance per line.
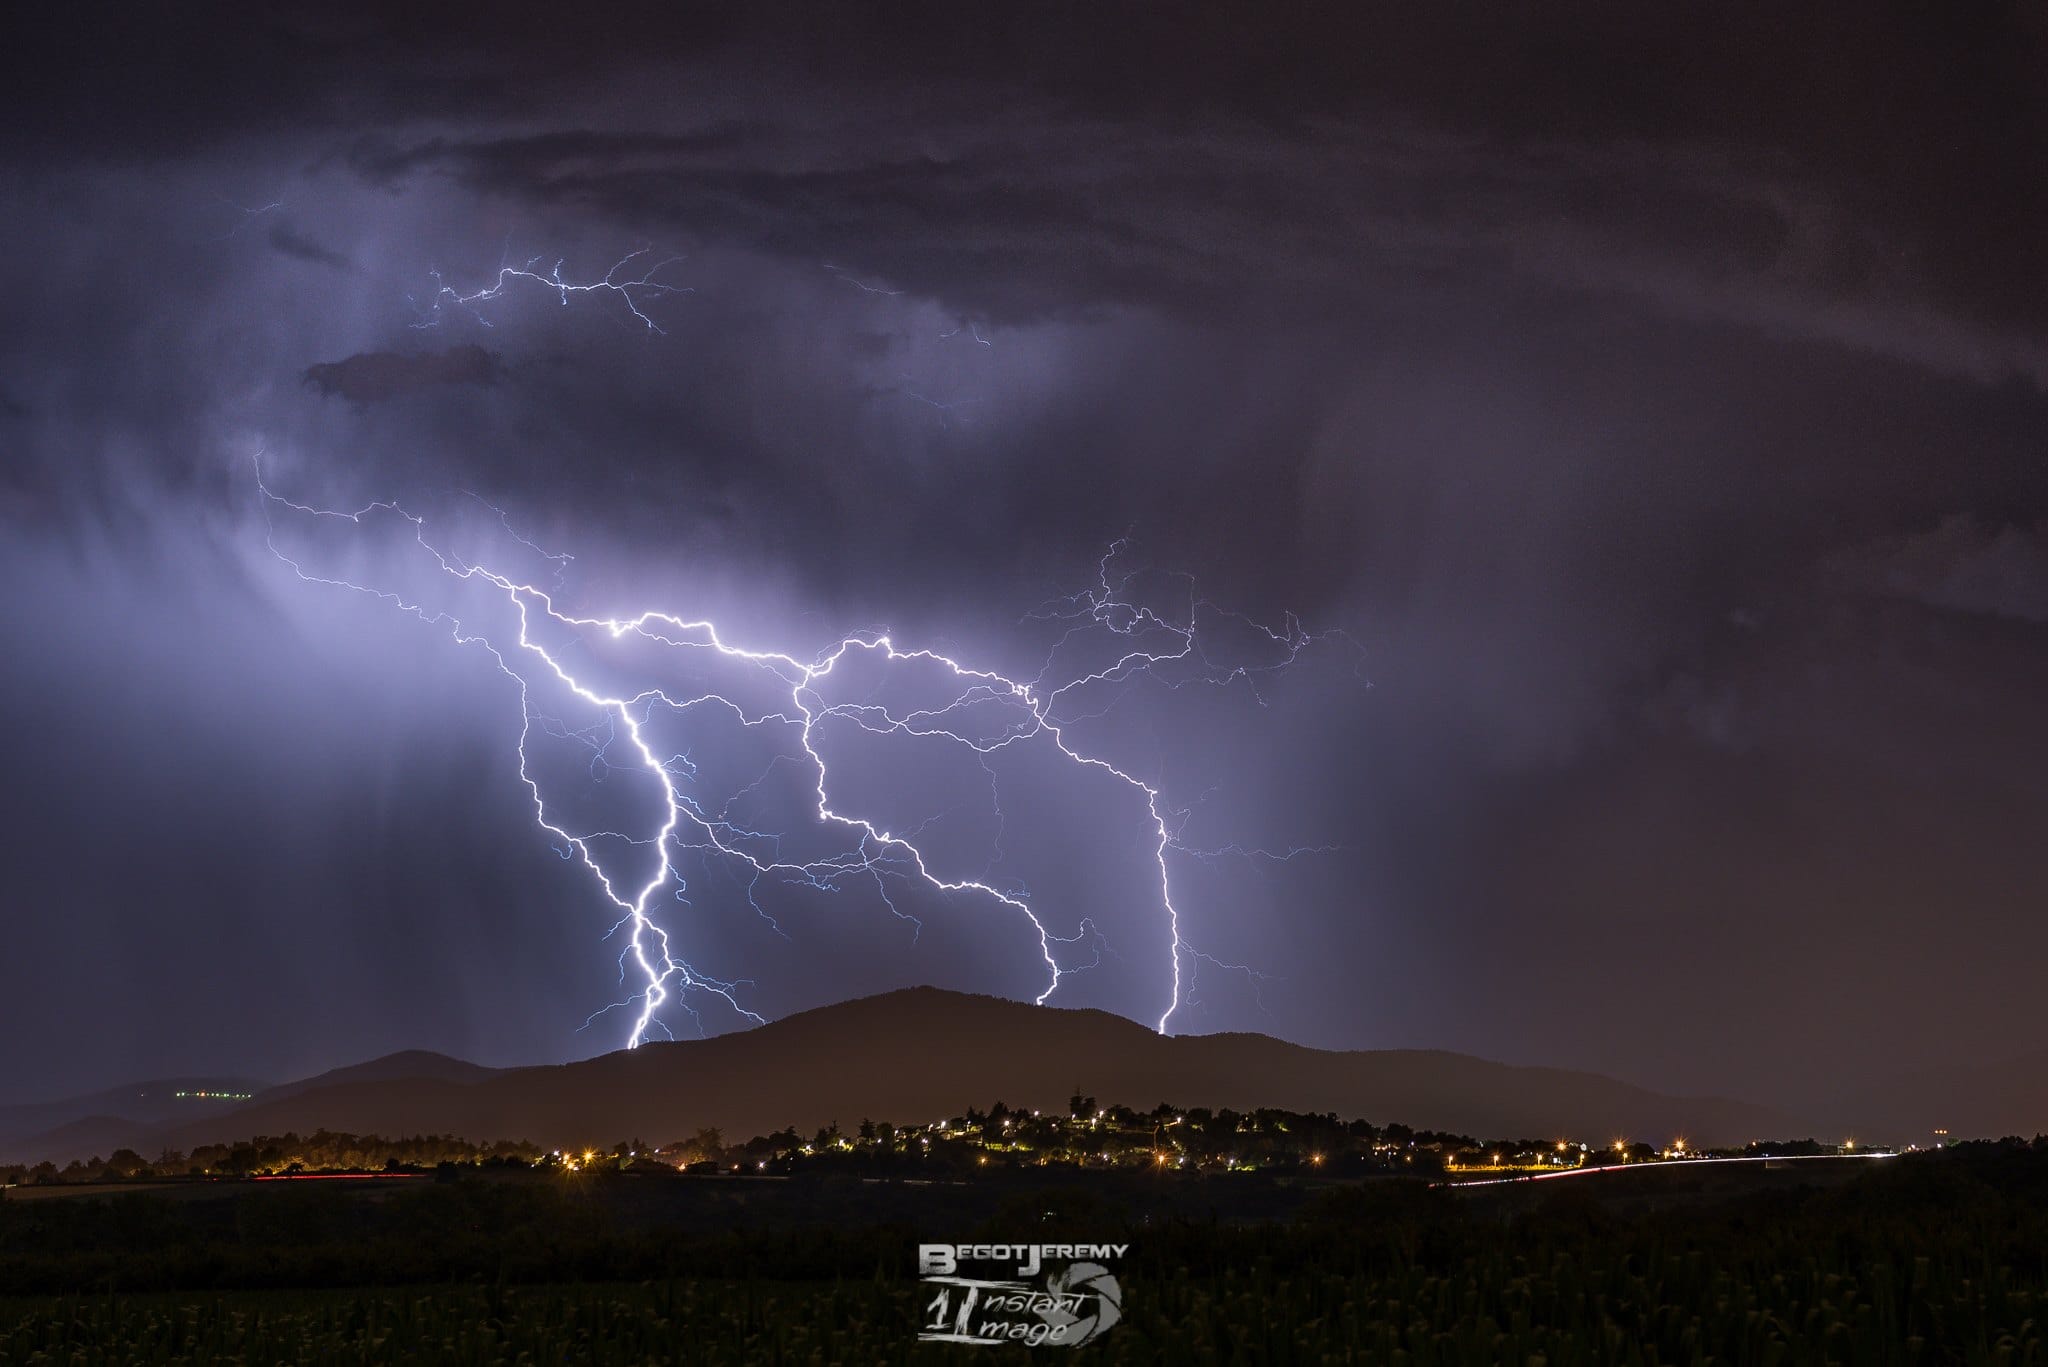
x=1933 y=1259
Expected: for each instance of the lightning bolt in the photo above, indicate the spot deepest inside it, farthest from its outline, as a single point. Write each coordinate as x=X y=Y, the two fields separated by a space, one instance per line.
x=635 y=290
x=250 y=213
x=984 y=711
x=861 y=285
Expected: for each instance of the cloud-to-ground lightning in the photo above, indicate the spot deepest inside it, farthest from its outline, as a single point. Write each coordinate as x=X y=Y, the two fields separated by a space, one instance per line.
x=984 y=711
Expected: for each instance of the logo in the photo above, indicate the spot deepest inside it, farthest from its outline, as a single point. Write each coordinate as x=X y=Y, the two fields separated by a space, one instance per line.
x=1050 y=1295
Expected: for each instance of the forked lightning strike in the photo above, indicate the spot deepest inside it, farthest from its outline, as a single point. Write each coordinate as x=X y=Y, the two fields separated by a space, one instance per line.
x=634 y=290
x=1036 y=710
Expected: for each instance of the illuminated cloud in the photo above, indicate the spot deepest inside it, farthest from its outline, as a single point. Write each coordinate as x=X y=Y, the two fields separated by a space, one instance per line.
x=1551 y=350
x=291 y=242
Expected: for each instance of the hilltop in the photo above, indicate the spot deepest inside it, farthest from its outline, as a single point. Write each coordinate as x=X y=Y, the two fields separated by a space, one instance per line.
x=924 y=1053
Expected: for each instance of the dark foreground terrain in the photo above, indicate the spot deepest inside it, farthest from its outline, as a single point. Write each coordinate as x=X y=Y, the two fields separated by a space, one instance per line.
x=1932 y=1258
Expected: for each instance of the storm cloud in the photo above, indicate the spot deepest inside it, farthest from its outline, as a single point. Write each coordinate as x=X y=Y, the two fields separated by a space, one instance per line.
x=372 y=375
x=1657 y=397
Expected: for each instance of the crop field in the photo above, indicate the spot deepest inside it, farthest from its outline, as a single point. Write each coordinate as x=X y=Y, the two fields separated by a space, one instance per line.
x=1683 y=1311
x=1937 y=1261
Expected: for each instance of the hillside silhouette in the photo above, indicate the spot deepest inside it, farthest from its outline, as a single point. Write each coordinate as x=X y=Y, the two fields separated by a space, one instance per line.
x=117 y=1110
x=406 y=1064
x=922 y=1054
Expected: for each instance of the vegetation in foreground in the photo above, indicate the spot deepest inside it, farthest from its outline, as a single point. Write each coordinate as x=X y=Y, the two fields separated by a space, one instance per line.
x=1936 y=1258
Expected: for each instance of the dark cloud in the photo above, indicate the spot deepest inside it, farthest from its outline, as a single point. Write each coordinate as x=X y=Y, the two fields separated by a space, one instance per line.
x=1872 y=167
x=381 y=161
x=1057 y=214
x=373 y=376
x=287 y=239
x=1964 y=563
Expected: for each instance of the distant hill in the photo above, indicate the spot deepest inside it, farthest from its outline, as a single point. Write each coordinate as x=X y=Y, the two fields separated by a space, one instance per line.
x=409 y=1063
x=923 y=1054
x=138 y=1104
x=134 y=1116
x=93 y=1136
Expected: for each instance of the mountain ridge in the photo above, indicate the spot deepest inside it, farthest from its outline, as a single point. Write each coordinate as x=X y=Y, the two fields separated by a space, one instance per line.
x=148 y=1102
x=923 y=1053
x=406 y=1063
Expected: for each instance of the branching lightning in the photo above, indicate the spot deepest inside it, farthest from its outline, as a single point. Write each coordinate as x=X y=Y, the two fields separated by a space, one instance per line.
x=546 y=640
x=1040 y=710
x=635 y=290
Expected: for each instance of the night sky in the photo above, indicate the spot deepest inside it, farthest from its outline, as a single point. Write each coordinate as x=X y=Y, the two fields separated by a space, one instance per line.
x=1657 y=400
